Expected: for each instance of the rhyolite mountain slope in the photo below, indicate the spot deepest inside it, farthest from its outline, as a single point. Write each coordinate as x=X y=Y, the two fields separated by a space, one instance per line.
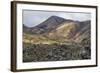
x=58 y=29
x=70 y=31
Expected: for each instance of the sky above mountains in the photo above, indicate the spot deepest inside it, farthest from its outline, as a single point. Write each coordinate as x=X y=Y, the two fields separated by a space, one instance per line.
x=32 y=18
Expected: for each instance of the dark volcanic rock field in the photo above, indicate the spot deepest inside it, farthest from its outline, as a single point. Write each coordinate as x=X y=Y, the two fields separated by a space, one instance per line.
x=55 y=52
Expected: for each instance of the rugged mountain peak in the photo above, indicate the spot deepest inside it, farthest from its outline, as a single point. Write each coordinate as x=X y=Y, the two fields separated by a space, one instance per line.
x=57 y=19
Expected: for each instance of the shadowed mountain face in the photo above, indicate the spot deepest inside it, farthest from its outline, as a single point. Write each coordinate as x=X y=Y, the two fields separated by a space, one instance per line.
x=49 y=25
x=57 y=28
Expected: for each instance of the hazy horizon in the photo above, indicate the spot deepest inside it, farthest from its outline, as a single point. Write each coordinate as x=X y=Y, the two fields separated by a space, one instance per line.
x=33 y=18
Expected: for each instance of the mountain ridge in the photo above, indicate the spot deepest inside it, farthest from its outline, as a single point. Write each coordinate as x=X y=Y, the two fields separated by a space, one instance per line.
x=57 y=28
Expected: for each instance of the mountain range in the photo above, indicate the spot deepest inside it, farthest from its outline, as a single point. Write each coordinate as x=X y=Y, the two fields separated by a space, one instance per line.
x=58 y=29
